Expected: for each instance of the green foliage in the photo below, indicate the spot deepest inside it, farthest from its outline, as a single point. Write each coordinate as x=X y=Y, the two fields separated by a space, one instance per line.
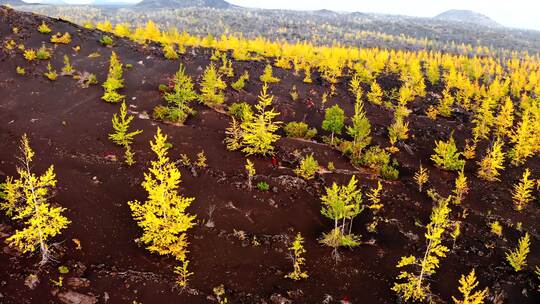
x=379 y=160
x=264 y=186
x=212 y=87
x=241 y=82
x=342 y=204
x=122 y=136
x=106 y=40
x=114 y=81
x=299 y=130
x=412 y=284
x=259 y=131
x=518 y=258
x=298 y=251
x=389 y=171
x=467 y=285
x=334 y=118
x=241 y=110
x=360 y=131
x=308 y=167
x=43 y=53
x=162 y=216
x=267 y=76
x=26 y=202
x=447 y=156
x=178 y=99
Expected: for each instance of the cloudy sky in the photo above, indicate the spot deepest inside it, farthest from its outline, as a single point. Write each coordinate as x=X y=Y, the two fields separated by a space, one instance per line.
x=513 y=13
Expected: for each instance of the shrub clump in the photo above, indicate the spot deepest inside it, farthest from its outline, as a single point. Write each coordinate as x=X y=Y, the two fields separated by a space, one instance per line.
x=378 y=159
x=447 y=156
x=308 y=167
x=240 y=110
x=299 y=130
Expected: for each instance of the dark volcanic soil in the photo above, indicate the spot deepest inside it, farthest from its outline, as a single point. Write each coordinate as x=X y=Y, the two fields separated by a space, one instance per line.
x=246 y=249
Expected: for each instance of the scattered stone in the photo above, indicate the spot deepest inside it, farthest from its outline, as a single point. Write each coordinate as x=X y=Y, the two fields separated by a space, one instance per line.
x=277 y=298
x=144 y=115
x=78 y=269
x=77 y=283
x=272 y=203
x=72 y=297
x=111 y=157
x=31 y=281
x=106 y=297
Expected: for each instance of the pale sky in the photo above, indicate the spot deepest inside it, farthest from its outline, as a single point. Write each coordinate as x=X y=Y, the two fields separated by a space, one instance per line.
x=513 y=13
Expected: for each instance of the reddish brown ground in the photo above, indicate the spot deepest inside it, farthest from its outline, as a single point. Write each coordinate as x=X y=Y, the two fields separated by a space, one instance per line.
x=68 y=127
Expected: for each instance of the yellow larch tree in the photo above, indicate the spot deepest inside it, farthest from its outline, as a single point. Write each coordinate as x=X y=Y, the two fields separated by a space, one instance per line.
x=26 y=203
x=163 y=216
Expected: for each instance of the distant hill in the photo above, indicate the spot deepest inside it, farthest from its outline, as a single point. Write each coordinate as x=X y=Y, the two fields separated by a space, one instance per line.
x=467 y=17
x=53 y=2
x=12 y=2
x=111 y=3
x=221 y=4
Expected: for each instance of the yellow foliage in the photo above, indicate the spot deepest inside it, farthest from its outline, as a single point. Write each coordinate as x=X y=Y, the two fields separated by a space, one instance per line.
x=492 y=162
x=375 y=94
x=412 y=285
x=162 y=216
x=522 y=194
x=518 y=258
x=212 y=87
x=26 y=202
x=267 y=76
x=298 y=260
x=421 y=177
x=461 y=187
x=59 y=38
x=114 y=81
x=259 y=131
x=467 y=285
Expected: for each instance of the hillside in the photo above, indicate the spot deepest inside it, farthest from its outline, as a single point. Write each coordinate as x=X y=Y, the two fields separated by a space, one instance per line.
x=176 y=4
x=240 y=246
x=12 y=2
x=467 y=16
x=354 y=29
